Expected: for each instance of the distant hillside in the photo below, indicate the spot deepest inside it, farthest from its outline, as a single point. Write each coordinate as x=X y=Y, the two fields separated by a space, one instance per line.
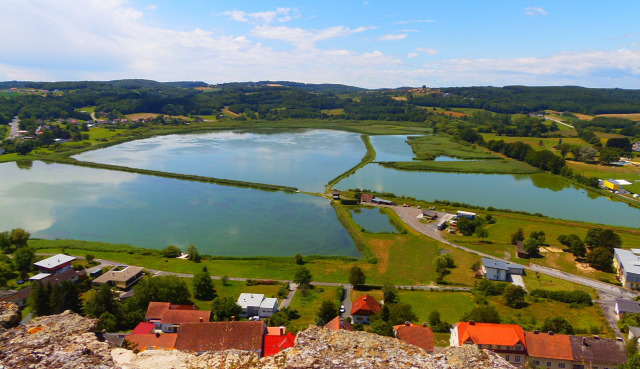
x=322 y=87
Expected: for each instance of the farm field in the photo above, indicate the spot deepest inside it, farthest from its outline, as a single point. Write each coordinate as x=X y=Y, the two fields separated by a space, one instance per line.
x=631 y=116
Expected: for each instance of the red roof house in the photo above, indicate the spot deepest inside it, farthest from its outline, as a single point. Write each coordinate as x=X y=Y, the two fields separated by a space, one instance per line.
x=160 y=340
x=363 y=308
x=220 y=336
x=169 y=317
x=507 y=340
x=338 y=323
x=417 y=335
x=276 y=343
x=144 y=328
x=366 y=197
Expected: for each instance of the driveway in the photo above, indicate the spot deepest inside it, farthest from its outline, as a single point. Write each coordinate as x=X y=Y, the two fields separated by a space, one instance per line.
x=346 y=301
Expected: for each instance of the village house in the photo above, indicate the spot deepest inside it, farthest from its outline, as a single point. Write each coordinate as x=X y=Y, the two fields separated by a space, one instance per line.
x=627 y=264
x=597 y=353
x=417 y=335
x=364 y=308
x=221 y=336
x=277 y=340
x=337 y=324
x=169 y=317
x=500 y=270
x=336 y=194
x=366 y=197
x=520 y=251
x=626 y=306
x=549 y=350
x=18 y=297
x=55 y=270
x=254 y=304
x=506 y=340
x=142 y=342
x=123 y=277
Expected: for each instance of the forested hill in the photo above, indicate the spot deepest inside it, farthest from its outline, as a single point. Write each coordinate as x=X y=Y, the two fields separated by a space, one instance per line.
x=518 y=99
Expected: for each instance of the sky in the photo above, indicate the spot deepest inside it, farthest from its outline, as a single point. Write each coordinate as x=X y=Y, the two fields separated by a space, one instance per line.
x=371 y=44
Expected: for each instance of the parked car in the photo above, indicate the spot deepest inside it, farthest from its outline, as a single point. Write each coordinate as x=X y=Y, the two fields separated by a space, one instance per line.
x=341 y=309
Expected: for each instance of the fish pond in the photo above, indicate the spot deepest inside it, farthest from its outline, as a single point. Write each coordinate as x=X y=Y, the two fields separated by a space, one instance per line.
x=54 y=201
x=372 y=220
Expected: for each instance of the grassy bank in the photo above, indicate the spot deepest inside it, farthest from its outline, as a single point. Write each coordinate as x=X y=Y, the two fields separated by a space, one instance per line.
x=430 y=147
x=368 y=157
x=184 y=177
x=504 y=166
x=354 y=230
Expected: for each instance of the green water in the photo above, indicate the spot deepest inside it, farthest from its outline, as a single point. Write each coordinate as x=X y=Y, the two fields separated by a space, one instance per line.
x=535 y=193
x=372 y=220
x=306 y=159
x=59 y=201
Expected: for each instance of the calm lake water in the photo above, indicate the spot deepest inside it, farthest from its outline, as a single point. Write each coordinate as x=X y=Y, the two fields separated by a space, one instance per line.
x=373 y=220
x=59 y=201
x=539 y=192
x=392 y=148
x=306 y=159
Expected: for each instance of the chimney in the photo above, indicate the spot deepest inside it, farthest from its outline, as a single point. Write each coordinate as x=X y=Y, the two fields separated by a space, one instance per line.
x=233 y=318
x=584 y=341
x=550 y=333
x=365 y=298
x=595 y=337
x=535 y=332
x=282 y=328
x=424 y=324
x=471 y=322
x=407 y=323
x=201 y=319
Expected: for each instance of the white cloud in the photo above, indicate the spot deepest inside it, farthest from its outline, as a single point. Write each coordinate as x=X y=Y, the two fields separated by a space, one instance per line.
x=427 y=51
x=412 y=55
x=415 y=21
x=533 y=11
x=280 y=15
x=151 y=7
x=393 y=37
x=303 y=38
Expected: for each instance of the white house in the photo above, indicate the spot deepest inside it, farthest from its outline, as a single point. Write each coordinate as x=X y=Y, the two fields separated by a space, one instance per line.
x=499 y=270
x=254 y=304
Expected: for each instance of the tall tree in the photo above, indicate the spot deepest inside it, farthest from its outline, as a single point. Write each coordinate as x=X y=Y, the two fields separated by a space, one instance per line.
x=103 y=300
x=517 y=236
x=356 y=276
x=19 y=237
x=327 y=311
x=194 y=255
x=23 y=258
x=39 y=300
x=302 y=276
x=593 y=236
x=203 y=288
x=223 y=308
x=167 y=288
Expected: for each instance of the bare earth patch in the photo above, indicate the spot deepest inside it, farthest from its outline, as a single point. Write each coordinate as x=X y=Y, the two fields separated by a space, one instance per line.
x=381 y=250
x=552 y=249
x=585 y=267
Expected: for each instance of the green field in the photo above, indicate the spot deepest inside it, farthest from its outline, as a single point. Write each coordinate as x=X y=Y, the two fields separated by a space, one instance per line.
x=503 y=166
x=308 y=306
x=451 y=305
x=547 y=142
x=430 y=147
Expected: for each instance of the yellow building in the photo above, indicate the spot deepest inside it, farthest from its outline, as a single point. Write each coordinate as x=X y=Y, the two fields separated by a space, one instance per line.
x=612 y=184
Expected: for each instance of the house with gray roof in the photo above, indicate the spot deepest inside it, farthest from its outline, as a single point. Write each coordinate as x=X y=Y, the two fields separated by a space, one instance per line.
x=500 y=270
x=255 y=304
x=623 y=306
x=627 y=264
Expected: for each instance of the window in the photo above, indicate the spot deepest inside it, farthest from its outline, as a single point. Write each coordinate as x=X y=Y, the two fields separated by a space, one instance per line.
x=560 y=365
x=549 y=364
x=507 y=358
x=536 y=362
x=519 y=348
x=517 y=358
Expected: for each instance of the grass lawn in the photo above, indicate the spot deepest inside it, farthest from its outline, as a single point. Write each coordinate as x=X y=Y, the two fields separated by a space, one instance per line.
x=233 y=289
x=628 y=172
x=547 y=142
x=502 y=166
x=308 y=306
x=535 y=280
x=451 y=305
x=100 y=133
x=429 y=147
x=533 y=316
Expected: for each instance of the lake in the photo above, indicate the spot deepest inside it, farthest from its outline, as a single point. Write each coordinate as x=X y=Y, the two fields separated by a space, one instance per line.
x=306 y=159
x=392 y=148
x=58 y=201
x=533 y=193
x=372 y=219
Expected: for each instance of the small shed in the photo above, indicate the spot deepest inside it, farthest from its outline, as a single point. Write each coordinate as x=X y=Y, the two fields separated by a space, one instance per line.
x=336 y=194
x=377 y=200
x=429 y=214
x=520 y=251
x=467 y=214
x=366 y=197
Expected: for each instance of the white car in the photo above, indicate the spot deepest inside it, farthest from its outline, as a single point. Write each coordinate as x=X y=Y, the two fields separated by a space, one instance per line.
x=341 y=309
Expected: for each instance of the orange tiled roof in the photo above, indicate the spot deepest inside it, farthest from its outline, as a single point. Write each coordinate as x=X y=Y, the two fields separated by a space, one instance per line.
x=185 y=316
x=417 y=336
x=366 y=305
x=164 y=340
x=549 y=346
x=156 y=309
x=220 y=336
x=338 y=323
x=491 y=334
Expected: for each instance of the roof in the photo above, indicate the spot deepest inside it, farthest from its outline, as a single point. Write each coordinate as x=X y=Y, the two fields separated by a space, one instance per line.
x=163 y=340
x=612 y=181
x=185 y=316
x=365 y=197
x=55 y=278
x=630 y=262
x=39 y=276
x=416 y=335
x=598 y=350
x=490 y=334
x=635 y=331
x=219 y=336
x=338 y=323
x=143 y=328
x=250 y=299
x=623 y=182
x=156 y=309
x=499 y=264
x=627 y=306
x=120 y=275
x=276 y=343
x=430 y=213
x=520 y=248
x=548 y=346
x=269 y=303
x=275 y=331
x=383 y=201
x=54 y=261
x=365 y=305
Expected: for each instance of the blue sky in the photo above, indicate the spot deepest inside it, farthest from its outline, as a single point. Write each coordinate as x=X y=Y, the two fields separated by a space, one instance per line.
x=362 y=43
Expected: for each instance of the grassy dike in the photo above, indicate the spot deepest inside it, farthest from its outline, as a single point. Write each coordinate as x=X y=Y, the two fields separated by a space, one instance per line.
x=184 y=177
x=505 y=166
x=368 y=157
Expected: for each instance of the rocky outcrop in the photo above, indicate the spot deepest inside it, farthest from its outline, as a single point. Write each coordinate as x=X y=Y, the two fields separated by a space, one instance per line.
x=322 y=348
x=56 y=341
x=10 y=315
x=67 y=341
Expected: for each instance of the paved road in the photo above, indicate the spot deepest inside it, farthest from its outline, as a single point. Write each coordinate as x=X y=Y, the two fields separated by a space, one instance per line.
x=292 y=291
x=607 y=303
x=409 y=215
x=346 y=301
x=15 y=127
x=558 y=121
